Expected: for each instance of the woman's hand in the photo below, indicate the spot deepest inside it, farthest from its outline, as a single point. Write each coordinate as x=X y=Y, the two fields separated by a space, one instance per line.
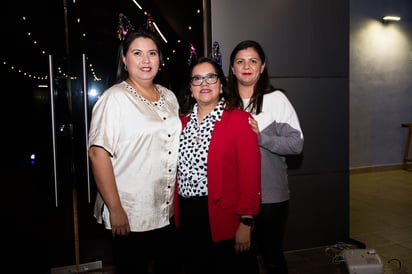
x=254 y=125
x=119 y=222
x=243 y=238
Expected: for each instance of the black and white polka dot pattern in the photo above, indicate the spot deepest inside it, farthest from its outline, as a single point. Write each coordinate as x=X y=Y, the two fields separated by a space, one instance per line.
x=193 y=149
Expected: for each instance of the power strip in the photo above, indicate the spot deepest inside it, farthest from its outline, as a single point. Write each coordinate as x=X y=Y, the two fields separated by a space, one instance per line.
x=362 y=261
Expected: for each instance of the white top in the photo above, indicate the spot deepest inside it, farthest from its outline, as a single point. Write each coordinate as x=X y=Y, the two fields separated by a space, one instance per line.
x=142 y=138
x=280 y=136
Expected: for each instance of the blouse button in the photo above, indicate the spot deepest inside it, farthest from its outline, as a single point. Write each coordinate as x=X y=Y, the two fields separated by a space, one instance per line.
x=164 y=118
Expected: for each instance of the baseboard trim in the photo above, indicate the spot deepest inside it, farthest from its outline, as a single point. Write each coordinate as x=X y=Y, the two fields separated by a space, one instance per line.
x=77 y=268
x=366 y=169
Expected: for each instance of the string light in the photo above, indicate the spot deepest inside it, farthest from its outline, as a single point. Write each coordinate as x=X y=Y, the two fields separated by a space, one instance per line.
x=43 y=52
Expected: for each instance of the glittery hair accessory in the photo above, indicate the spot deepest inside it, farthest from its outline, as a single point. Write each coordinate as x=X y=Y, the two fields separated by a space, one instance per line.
x=216 y=54
x=124 y=26
x=192 y=54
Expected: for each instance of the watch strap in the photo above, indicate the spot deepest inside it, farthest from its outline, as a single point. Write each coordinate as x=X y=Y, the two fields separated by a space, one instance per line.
x=249 y=221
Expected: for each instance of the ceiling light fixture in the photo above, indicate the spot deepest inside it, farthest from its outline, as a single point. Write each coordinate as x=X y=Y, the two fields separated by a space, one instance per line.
x=137 y=4
x=160 y=33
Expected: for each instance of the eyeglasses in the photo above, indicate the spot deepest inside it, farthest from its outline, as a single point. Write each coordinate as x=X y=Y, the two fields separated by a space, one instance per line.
x=210 y=78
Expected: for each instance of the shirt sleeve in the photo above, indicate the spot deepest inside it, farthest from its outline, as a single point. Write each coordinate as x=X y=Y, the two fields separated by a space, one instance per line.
x=279 y=126
x=105 y=122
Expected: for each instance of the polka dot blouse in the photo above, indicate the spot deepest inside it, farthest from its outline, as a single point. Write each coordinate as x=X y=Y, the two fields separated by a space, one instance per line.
x=193 y=149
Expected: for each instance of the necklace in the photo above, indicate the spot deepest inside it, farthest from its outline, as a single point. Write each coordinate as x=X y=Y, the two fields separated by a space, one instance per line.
x=158 y=101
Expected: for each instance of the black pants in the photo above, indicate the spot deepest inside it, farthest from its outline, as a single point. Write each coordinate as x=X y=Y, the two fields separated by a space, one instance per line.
x=269 y=234
x=203 y=256
x=146 y=252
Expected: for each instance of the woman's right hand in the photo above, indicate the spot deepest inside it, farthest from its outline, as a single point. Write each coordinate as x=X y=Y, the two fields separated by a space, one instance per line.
x=254 y=125
x=119 y=222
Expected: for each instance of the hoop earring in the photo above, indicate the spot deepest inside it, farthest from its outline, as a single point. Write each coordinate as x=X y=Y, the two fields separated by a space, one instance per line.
x=125 y=67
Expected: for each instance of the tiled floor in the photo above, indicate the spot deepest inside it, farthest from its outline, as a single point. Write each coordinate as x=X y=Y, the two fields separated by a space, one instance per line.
x=380 y=218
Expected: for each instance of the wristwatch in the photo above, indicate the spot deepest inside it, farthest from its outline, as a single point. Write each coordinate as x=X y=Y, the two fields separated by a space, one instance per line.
x=247 y=221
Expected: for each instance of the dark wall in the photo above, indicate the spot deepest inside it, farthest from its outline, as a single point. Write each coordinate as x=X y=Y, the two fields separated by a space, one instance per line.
x=307 y=44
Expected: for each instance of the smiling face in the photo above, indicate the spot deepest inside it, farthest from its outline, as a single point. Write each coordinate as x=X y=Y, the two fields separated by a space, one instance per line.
x=142 y=59
x=205 y=85
x=247 y=67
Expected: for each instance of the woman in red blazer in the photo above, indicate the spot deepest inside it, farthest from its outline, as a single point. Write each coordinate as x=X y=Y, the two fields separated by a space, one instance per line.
x=218 y=181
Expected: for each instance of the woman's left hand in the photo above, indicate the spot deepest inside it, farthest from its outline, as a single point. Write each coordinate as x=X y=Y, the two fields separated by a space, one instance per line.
x=242 y=239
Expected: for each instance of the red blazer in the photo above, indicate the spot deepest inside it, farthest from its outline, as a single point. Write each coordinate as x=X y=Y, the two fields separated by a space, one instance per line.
x=233 y=174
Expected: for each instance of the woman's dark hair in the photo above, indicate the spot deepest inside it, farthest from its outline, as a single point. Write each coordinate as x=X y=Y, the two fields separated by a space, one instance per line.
x=121 y=73
x=263 y=85
x=186 y=101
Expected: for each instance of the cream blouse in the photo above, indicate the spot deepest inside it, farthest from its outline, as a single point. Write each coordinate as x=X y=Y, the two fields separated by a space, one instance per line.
x=142 y=138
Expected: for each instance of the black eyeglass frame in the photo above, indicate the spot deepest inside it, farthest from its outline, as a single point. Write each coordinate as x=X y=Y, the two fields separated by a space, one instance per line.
x=210 y=78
